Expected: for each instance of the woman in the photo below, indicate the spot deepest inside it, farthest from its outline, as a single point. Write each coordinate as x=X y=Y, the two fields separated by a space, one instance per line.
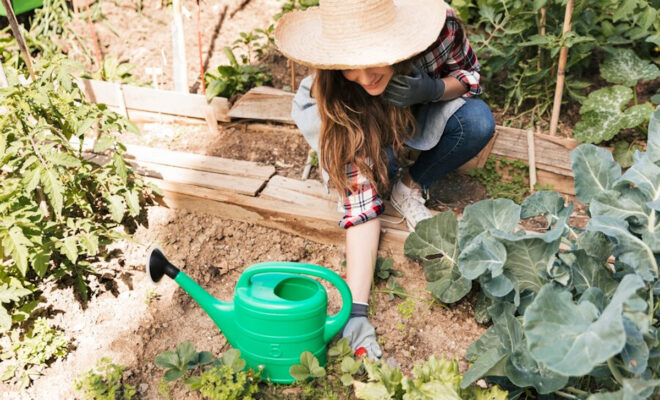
x=390 y=76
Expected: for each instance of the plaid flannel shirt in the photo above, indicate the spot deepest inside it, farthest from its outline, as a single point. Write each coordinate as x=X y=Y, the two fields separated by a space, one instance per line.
x=441 y=59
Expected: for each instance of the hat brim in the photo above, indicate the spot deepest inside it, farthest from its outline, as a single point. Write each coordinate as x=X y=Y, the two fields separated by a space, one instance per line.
x=417 y=25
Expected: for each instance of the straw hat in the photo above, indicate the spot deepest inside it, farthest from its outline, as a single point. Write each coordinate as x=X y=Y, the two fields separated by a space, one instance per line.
x=352 y=34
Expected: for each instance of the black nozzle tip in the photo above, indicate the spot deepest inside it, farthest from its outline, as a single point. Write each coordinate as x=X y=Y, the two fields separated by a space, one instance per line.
x=158 y=265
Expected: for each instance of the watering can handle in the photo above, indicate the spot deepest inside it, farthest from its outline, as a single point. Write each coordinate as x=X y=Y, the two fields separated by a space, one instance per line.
x=333 y=323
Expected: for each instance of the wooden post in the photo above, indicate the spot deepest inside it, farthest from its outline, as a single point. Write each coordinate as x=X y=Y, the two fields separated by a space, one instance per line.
x=542 y=30
x=199 y=48
x=179 y=50
x=92 y=33
x=16 y=30
x=531 y=155
x=561 y=71
x=293 y=75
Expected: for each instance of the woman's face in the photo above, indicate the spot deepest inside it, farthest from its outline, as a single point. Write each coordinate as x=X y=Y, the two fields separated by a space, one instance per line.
x=373 y=80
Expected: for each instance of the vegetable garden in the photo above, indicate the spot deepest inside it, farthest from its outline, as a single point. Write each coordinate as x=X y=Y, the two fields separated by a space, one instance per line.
x=512 y=290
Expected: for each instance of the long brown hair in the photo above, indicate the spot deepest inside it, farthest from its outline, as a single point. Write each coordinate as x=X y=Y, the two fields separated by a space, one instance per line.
x=356 y=128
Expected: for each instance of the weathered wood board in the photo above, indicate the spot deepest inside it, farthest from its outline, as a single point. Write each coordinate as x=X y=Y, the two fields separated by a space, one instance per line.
x=264 y=103
x=154 y=100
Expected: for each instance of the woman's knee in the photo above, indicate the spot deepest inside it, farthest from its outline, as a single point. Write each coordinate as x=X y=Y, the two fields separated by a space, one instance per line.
x=478 y=121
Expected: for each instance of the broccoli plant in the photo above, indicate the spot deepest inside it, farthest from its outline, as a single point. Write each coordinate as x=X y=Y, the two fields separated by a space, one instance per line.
x=572 y=309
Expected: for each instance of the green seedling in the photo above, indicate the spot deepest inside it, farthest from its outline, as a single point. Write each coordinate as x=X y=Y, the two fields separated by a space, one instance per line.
x=104 y=382
x=340 y=349
x=406 y=308
x=179 y=362
x=349 y=367
x=309 y=367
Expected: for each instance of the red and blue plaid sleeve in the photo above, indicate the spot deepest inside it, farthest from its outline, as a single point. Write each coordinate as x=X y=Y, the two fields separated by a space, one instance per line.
x=361 y=204
x=442 y=59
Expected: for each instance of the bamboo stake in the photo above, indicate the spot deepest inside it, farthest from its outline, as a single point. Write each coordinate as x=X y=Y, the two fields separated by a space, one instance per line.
x=531 y=155
x=92 y=32
x=199 y=48
x=179 y=50
x=561 y=71
x=542 y=23
x=293 y=75
x=16 y=30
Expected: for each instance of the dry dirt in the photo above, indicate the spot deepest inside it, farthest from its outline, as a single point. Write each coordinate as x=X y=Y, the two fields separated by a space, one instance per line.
x=131 y=320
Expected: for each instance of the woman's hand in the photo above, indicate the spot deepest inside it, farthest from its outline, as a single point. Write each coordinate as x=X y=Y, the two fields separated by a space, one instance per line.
x=418 y=88
x=361 y=334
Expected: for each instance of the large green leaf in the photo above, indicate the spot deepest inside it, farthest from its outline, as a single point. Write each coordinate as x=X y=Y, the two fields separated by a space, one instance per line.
x=623 y=152
x=644 y=175
x=527 y=259
x=624 y=204
x=434 y=236
x=653 y=142
x=445 y=280
x=625 y=67
x=53 y=189
x=603 y=115
x=545 y=203
x=484 y=253
x=588 y=272
x=500 y=214
x=572 y=339
x=629 y=248
x=16 y=244
x=595 y=171
x=116 y=206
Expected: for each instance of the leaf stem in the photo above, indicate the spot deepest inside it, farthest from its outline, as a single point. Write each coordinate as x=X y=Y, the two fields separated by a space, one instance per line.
x=615 y=371
x=566 y=395
x=576 y=391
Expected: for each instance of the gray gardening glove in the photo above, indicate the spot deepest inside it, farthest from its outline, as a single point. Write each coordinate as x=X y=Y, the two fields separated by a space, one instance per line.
x=360 y=333
x=417 y=88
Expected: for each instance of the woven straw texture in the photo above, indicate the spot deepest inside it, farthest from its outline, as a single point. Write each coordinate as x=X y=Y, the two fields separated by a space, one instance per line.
x=345 y=34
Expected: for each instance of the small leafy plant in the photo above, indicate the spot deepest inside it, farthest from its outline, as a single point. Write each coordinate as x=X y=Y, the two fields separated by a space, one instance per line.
x=434 y=379
x=504 y=178
x=308 y=368
x=105 y=382
x=234 y=78
x=25 y=357
x=215 y=379
x=178 y=363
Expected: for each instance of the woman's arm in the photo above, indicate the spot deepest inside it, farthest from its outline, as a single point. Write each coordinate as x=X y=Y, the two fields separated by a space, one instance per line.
x=453 y=88
x=361 y=252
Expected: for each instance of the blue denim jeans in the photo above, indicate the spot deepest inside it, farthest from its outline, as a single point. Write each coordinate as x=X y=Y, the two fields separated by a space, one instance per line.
x=467 y=132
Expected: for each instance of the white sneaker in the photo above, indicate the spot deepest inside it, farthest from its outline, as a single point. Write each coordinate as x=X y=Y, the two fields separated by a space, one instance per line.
x=410 y=203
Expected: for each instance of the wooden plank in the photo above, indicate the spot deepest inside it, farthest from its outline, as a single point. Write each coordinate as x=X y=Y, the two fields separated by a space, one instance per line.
x=199 y=179
x=312 y=193
x=560 y=183
x=552 y=155
x=264 y=103
x=200 y=162
x=315 y=224
x=155 y=100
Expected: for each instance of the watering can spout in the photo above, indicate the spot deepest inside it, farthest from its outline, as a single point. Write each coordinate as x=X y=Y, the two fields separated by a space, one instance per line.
x=221 y=313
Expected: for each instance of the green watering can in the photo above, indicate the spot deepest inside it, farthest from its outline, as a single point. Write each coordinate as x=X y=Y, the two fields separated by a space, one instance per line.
x=278 y=312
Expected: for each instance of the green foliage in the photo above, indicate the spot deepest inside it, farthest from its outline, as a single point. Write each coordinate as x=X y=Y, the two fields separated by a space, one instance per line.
x=113 y=70
x=179 y=362
x=406 y=308
x=623 y=152
x=28 y=354
x=435 y=379
x=221 y=382
x=290 y=5
x=507 y=37
x=58 y=209
x=259 y=43
x=105 y=382
x=504 y=178
x=624 y=67
x=603 y=114
x=216 y=379
x=308 y=368
x=234 y=78
x=606 y=314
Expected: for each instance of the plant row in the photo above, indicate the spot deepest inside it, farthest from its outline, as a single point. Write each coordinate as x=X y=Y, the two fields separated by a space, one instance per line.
x=574 y=311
